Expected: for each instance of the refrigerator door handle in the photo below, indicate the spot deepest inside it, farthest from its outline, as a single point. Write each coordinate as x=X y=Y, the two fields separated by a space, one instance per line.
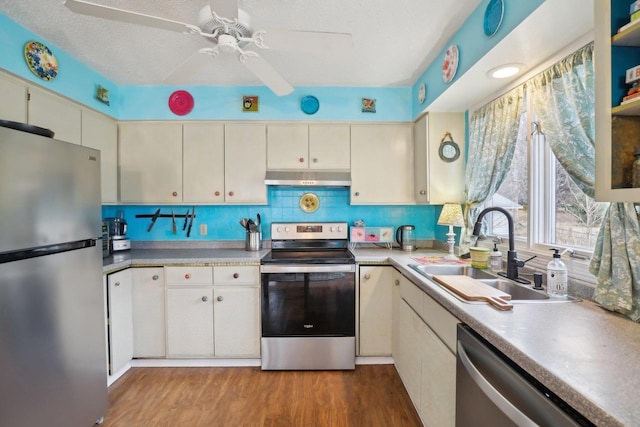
x=45 y=250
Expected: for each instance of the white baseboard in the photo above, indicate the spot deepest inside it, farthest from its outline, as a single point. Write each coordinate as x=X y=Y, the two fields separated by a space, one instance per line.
x=374 y=360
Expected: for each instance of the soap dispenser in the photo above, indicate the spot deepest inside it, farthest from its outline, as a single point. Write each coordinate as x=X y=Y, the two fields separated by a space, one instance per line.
x=496 y=259
x=556 y=276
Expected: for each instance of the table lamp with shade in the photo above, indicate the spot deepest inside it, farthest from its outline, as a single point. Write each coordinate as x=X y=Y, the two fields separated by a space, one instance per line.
x=451 y=215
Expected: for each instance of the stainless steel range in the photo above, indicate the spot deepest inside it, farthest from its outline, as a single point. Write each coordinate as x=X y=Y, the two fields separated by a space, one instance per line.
x=308 y=298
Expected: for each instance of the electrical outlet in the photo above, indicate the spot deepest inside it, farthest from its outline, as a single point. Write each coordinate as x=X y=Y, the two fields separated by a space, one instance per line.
x=203 y=229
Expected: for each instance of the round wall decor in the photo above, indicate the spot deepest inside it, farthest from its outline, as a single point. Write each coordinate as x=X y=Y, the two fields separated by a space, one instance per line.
x=449 y=151
x=422 y=93
x=450 y=63
x=309 y=202
x=493 y=15
x=181 y=102
x=40 y=60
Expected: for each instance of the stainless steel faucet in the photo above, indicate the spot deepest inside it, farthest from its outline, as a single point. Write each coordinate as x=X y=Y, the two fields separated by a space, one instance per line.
x=513 y=263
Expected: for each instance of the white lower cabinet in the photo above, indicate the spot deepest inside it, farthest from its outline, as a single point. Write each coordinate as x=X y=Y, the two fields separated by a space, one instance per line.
x=190 y=322
x=148 y=312
x=376 y=288
x=236 y=320
x=120 y=319
x=425 y=354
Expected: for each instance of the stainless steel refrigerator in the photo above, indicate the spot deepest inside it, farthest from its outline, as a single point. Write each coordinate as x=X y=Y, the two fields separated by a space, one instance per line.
x=52 y=327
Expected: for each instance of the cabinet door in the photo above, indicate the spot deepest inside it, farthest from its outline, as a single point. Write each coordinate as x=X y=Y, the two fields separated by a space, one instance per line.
x=120 y=309
x=245 y=163
x=148 y=312
x=56 y=113
x=438 y=389
x=190 y=322
x=437 y=181
x=395 y=326
x=409 y=360
x=101 y=132
x=237 y=321
x=329 y=147
x=203 y=162
x=376 y=288
x=288 y=146
x=13 y=102
x=150 y=162
x=382 y=164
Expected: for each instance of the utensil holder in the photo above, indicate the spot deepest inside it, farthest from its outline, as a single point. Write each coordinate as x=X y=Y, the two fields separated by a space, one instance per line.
x=253 y=241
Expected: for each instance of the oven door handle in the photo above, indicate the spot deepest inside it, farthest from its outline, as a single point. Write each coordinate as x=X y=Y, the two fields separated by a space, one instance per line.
x=301 y=268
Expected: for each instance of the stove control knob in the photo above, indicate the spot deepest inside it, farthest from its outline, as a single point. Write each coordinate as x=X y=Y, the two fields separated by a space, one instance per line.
x=278 y=229
x=287 y=229
x=331 y=229
x=339 y=229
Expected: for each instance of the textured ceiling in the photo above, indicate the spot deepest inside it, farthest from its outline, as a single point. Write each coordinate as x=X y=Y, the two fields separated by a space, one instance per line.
x=393 y=41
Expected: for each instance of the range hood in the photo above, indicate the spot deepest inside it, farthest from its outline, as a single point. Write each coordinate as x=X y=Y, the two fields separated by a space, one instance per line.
x=309 y=178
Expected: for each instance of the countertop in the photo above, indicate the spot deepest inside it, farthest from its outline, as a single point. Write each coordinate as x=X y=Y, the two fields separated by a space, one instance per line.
x=586 y=355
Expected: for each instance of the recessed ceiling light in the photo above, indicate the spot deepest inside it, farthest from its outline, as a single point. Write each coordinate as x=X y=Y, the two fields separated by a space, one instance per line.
x=504 y=71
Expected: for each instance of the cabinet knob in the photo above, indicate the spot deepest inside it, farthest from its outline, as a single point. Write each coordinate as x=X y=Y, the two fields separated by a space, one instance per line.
x=231 y=193
x=396 y=282
x=187 y=276
x=217 y=193
x=357 y=193
x=220 y=298
x=116 y=284
x=315 y=160
x=422 y=192
x=175 y=194
x=205 y=298
x=155 y=277
x=367 y=276
x=236 y=275
x=301 y=159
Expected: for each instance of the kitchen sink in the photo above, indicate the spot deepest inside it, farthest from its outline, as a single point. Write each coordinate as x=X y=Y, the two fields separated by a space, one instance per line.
x=519 y=293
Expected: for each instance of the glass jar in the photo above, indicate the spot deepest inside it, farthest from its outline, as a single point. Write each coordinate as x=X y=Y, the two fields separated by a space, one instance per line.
x=635 y=169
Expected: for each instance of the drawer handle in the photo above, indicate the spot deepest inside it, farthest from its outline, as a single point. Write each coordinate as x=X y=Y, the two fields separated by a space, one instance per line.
x=205 y=299
x=422 y=192
x=397 y=282
x=236 y=275
x=217 y=193
x=155 y=277
x=367 y=276
x=220 y=298
x=116 y=284
x=187 y=276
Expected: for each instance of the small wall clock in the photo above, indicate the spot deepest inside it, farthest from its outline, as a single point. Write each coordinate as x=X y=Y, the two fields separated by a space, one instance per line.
x=449 y=151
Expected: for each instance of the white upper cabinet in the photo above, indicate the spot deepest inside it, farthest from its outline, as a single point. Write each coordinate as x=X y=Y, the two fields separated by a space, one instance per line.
x=13 y=102
x=245 y=149
x=56 y=113
x=302 y=146
x=150 y=162
x=438 y=181
x=382 y=164
x=101 y=132
x=203 y=162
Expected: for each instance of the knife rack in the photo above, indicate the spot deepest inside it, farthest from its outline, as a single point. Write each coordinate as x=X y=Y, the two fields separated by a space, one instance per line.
x=165 y=216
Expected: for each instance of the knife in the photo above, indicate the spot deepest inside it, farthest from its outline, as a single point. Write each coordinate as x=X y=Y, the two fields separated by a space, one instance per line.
x=186 y=219
x=153 y=219
x=173 y=222
x=193 y=213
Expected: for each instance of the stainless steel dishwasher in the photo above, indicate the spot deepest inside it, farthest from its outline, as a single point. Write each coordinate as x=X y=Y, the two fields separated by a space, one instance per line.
x=491 y=390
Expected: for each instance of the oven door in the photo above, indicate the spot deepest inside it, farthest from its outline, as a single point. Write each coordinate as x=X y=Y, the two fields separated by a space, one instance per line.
x=308 y=300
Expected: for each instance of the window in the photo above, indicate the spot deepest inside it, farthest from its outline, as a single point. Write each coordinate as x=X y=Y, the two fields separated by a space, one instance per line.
x=548 y=208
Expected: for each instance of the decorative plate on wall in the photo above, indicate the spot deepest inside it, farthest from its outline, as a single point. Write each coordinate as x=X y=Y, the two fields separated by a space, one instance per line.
x=181 y=102
x=493 y=15
x=309 y=104
x=309 y=202
x=40 y=60
x=422 y=93
x=450 y=63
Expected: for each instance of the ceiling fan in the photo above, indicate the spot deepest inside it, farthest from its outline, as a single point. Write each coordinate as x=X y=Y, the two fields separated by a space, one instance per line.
x=226 y=27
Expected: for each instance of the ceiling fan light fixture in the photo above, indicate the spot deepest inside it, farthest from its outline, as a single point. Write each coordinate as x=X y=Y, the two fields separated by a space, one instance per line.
x=504 y=71
x=227 y=43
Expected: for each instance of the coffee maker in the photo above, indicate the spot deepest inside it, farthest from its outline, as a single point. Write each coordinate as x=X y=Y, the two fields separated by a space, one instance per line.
x=117 y=233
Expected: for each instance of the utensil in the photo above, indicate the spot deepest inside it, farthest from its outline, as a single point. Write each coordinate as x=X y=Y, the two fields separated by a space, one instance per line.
x=243 y=223
x=173 y=222
x=258 y=221
x=186 y=218
x=193 y=213
x=153 y=219
x=251 y=226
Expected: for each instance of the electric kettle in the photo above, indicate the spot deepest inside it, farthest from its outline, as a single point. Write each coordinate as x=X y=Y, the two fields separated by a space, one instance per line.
x=405 y=236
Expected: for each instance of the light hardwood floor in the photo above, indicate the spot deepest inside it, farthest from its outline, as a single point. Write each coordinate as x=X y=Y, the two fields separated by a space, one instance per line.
x=372 y=395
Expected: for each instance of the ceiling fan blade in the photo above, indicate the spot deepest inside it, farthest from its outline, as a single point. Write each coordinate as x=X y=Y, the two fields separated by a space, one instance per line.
x=306 y=41
x=85 y=8
x=225 y=8
x=190 y=66
x=266 y=73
